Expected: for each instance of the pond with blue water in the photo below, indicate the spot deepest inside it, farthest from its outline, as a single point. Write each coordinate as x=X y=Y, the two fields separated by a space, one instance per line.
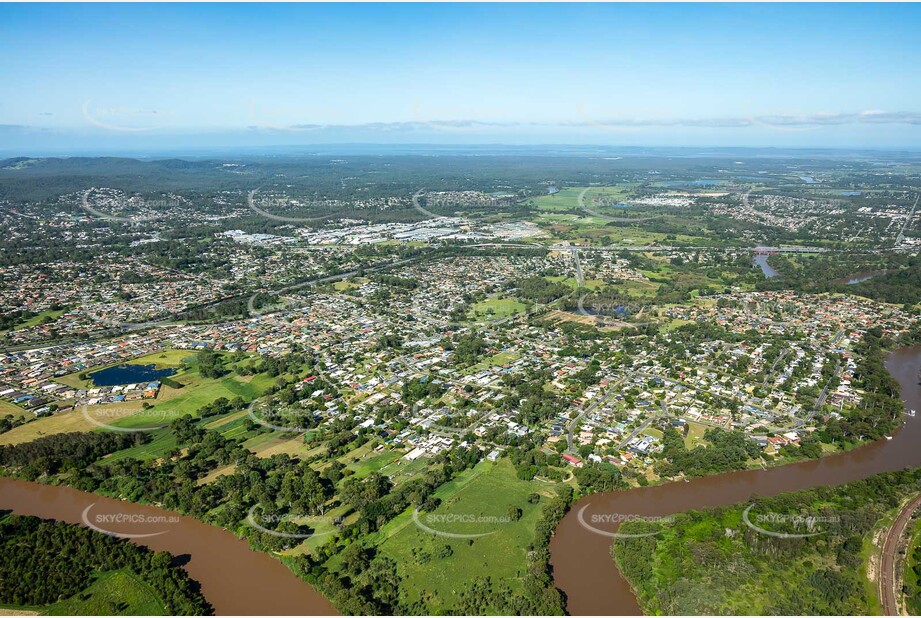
x=129 y=374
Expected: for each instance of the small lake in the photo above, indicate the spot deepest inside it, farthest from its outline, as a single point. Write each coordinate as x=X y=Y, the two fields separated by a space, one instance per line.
x=129 y=374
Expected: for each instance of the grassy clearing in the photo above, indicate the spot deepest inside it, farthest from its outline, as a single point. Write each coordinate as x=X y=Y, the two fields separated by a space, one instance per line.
x=227 y=470
x=579 y=227
x=375 y=462
x=497 y=308
x=64 y=422
x=567 y=199
x=497 y=360
x=695 y=434
x=268 y=444
x=437 y=568
x=162 y=443
x=11 y=408
x=116 y=593
x=44 y=317
x=345 y=285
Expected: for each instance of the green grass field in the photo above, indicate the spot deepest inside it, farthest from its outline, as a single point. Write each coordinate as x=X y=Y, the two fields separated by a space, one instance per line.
x=497 y=308
x=496 y=360
x=44 y=316
x=11 y=408
x=568 y=199
x=115 y=593
x=488 y=490
x=695 y=434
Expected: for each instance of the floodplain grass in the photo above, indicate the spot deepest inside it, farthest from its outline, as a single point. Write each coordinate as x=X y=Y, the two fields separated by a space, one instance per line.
x=114 y=593
x=437 y=575
x=62 y=422
x=218 y=472
x=11 y=408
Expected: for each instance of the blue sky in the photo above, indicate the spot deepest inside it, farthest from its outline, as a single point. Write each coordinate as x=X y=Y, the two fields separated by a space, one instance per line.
x=674 y=74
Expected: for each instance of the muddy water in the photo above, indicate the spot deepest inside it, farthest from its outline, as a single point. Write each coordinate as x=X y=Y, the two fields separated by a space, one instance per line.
x=235 y=579
x=582 y=563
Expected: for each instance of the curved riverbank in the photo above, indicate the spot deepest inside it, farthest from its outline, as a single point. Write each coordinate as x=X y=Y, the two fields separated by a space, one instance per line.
x=234 y=578
x=582 y=564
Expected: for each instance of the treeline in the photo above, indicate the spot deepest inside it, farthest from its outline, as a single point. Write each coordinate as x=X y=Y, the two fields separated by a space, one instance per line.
x=467 y=348
x=541 y=290
x=711 y=562
x=897 y=278
x=276 y=490
x=901 y=286
x=880 y=409
x=47 y=561
x=728 y=450
x=368 y=583
x=64 y=452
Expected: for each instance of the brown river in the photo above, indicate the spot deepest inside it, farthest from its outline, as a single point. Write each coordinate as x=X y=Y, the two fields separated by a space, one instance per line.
x=238 y=580
x=582 y=563
x=235 y=579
